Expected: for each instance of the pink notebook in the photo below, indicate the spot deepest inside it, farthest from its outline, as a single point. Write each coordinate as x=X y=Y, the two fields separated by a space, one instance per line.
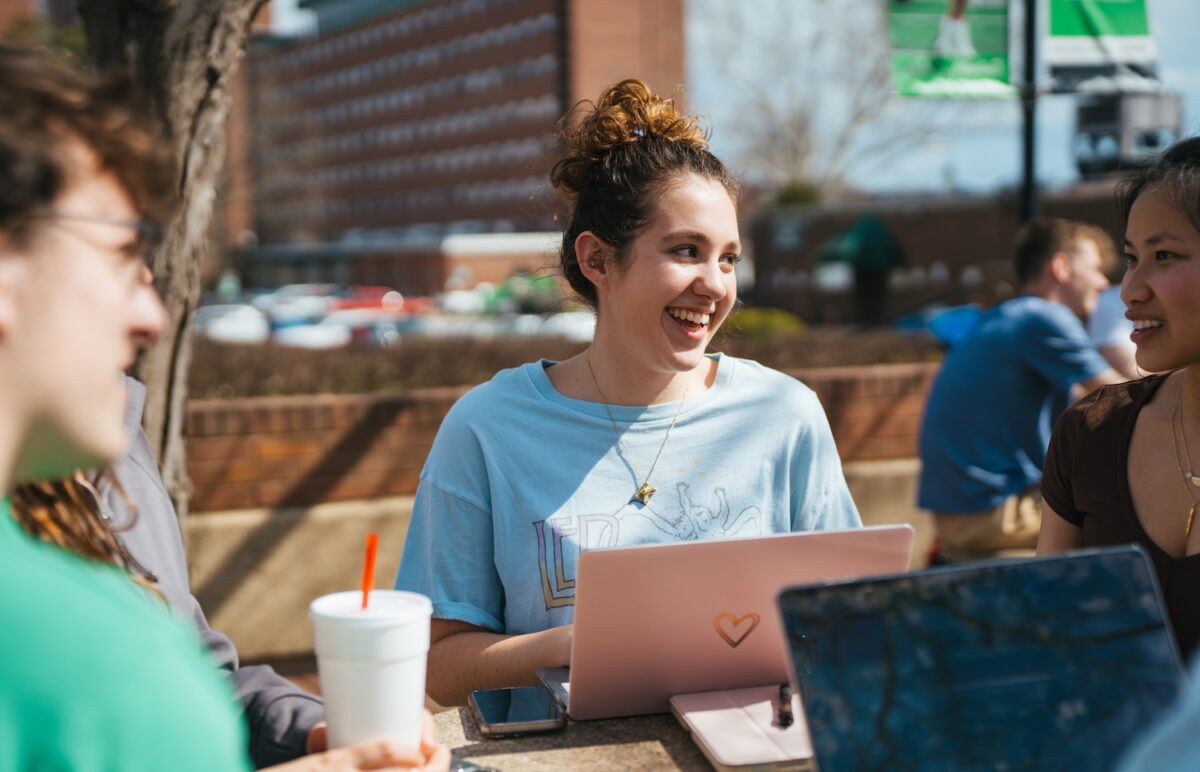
x=736 y=729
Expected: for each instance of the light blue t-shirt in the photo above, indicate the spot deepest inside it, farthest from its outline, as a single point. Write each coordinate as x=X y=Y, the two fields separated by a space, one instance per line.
x=989 y=416
x=521 y=478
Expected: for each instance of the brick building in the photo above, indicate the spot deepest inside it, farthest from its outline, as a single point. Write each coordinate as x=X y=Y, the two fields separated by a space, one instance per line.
x=401 y=121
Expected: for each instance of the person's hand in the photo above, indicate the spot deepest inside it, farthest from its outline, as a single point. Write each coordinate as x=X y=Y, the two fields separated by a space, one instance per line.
x=318 y=738
x=430 y=757
x=382 y=754
x=436 y=755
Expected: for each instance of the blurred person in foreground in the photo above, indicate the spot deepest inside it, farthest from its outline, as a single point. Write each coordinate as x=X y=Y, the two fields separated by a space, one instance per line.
x=1124 y=463
x=643 y=438
x=131 y=522
x=991 y=409
x=96 y=674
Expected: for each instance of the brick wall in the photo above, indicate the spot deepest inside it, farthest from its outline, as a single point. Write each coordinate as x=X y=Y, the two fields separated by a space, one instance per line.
x=874 y=410
x=298 y=451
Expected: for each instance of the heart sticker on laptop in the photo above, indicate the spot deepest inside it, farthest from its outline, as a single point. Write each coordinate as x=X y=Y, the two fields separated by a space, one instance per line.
x=734 y=629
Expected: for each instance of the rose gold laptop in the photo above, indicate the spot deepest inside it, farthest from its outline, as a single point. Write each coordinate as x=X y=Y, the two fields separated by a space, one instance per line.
x=657 y=620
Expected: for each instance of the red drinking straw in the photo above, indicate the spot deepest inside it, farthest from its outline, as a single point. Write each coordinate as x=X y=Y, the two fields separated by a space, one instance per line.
x=368 y=577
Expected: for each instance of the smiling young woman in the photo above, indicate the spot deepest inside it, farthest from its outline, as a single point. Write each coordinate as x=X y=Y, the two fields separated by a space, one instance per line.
x=644 y=437
x=1123 y=462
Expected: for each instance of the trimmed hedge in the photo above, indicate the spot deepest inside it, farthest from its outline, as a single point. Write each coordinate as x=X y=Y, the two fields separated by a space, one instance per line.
x=226 y=371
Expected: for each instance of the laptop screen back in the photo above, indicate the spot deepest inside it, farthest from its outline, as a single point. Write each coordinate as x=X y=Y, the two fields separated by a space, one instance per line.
x=1042 y=664
x=654 y=621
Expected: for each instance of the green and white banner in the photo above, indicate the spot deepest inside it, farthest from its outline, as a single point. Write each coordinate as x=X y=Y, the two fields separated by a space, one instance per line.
x=950 y=49
x=1097 y=37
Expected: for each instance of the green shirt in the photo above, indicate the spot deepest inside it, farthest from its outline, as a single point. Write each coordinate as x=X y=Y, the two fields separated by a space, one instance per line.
x=95 y=675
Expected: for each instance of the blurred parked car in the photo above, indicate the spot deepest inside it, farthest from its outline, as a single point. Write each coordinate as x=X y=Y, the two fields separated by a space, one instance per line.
x=362 y=326
x=387 y=333
x=419 y=305
x=575 y=326
x=232 y=323
x=371 y=297
x=463 y=302
x=295 y=304
x=322 y=335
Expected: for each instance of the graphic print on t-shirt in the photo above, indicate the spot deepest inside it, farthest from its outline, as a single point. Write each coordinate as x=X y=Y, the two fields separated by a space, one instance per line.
x=560 y=539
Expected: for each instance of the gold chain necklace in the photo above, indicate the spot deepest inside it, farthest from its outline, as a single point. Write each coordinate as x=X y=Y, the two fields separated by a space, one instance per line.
x=645 y=490
x=1190 y=480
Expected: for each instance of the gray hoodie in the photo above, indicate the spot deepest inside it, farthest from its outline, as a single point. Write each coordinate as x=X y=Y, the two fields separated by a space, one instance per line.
x=278 y=714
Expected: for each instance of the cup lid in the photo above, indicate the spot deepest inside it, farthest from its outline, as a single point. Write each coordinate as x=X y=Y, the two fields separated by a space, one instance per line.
x=386 y=607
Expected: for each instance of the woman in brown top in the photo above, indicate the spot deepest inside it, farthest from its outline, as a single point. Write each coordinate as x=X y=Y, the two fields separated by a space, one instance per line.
x=1124 y=462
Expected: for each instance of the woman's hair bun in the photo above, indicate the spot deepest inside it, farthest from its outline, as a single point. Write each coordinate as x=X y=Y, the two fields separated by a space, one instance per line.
x=623 y=115
x=619 y=156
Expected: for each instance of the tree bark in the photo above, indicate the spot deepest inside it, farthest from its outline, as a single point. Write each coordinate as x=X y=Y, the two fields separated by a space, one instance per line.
x=183 y=53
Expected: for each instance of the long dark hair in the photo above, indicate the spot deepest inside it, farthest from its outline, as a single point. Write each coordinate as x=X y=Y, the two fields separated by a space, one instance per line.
x=1175 y=174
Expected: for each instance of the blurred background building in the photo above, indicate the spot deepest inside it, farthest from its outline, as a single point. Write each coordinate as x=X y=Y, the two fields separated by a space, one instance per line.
x=60 y=12
x=389 y=125
x=407 y=143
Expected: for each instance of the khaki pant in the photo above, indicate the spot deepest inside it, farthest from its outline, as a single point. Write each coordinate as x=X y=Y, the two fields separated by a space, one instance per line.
x=1009 y=530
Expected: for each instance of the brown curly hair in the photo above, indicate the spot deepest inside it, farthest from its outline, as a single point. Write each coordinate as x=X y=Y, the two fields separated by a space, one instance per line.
x=621 y=152
x=67 y=513
x=47 y=112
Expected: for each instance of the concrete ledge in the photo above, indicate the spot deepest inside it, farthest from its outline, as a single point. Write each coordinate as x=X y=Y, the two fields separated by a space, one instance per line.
x=256 y=570
x=886 y=492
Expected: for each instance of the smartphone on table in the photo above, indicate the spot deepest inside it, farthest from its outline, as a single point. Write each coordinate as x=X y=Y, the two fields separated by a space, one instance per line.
x=515 y=711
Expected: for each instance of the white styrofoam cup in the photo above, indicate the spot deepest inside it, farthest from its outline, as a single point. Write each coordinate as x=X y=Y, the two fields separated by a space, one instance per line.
x=372 y=664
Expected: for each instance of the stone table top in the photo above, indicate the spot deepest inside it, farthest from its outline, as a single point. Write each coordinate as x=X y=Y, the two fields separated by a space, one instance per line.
x=654 y=742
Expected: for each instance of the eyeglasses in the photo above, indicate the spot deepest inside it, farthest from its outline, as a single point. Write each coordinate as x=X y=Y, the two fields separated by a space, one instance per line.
x=149 y=232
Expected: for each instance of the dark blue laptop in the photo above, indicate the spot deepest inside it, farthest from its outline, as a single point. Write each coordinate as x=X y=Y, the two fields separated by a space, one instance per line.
x=1055 y=664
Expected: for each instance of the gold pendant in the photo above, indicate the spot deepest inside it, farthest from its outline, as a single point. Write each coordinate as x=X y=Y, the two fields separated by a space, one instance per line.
x=645 y=492
x=1195 y=480
x=1187 y=531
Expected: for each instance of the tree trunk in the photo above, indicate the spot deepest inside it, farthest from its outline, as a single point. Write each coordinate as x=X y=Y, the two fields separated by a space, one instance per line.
x=183 y=53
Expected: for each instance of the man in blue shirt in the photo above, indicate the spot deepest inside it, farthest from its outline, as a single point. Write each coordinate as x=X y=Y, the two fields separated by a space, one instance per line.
x=988 y=419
